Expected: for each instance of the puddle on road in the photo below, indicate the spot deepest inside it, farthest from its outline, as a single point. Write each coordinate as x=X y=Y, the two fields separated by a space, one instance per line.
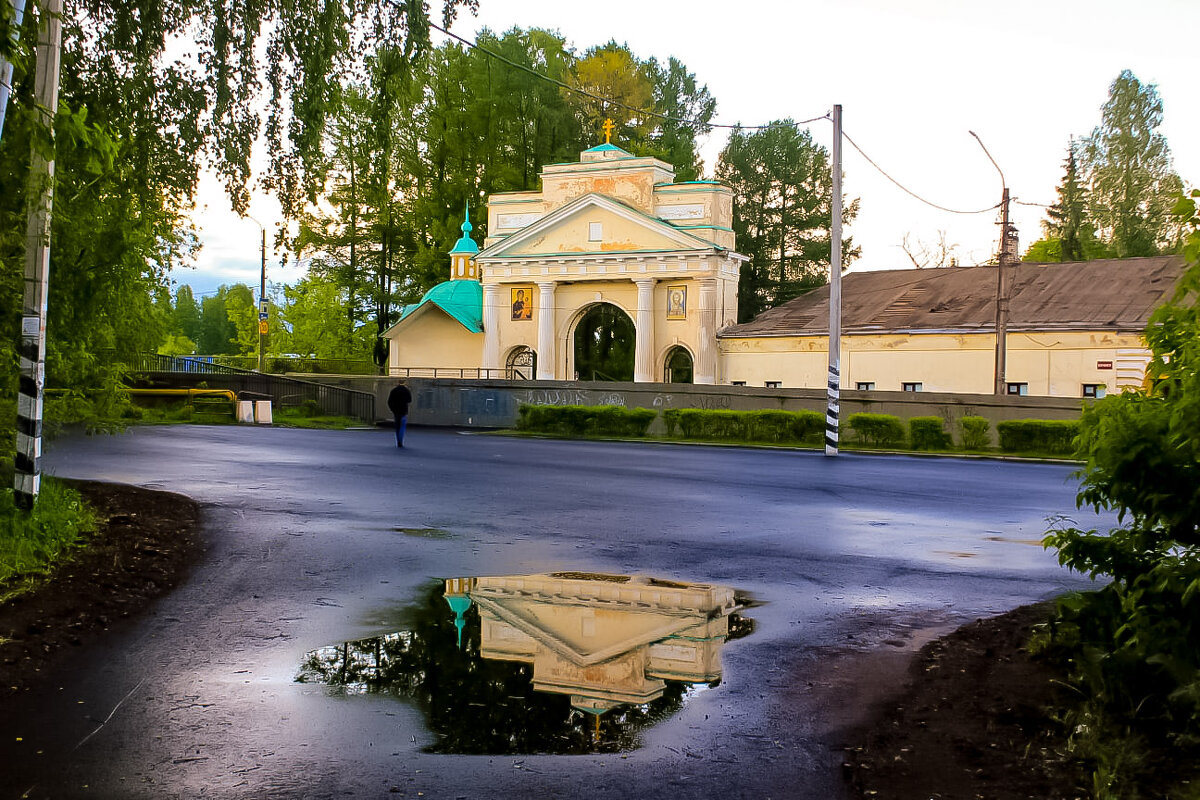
x=956 y=553
x=1031 y=542
x=424 y=533
x=562 y=663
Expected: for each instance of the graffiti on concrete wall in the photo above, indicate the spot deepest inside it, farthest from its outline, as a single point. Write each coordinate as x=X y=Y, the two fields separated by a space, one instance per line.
x=711 y=401
x=554 y=397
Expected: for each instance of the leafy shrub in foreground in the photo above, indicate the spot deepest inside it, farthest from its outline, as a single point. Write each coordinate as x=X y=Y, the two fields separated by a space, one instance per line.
x=1132 y=648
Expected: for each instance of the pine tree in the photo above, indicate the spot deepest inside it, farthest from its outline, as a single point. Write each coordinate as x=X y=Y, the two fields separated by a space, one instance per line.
x=1069 y=222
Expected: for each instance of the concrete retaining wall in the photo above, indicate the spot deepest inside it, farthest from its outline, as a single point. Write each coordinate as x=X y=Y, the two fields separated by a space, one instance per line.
x=493 y=404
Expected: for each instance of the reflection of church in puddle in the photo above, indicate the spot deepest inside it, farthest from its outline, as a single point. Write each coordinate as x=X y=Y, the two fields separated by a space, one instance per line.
x=604 y=640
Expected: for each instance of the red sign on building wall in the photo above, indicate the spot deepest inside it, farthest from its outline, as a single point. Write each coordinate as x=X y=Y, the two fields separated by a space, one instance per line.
x=1103 y=365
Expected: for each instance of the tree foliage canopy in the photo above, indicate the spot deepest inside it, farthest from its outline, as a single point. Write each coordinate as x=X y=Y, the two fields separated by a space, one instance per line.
x=1118 y=185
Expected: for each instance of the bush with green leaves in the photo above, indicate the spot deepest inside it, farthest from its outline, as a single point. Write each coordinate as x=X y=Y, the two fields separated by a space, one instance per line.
x=974 y=433
x=878 y=430
x=743 y=426
x=1132 y=648
x=1050 y=436
x=578 y=421
x=928 y=433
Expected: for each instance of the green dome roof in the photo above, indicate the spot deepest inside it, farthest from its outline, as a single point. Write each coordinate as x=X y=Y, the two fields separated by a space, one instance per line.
x=462 y=300
x=606 y=148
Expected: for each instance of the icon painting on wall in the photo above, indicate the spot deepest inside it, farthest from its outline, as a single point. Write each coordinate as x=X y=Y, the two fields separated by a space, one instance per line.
x=677 y=302
x=522 y=302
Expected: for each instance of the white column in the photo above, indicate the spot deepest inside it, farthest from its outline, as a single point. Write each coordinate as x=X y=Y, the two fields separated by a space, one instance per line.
x=546 y=357
x=491 y=330
x=643 y=359
x=706 y=347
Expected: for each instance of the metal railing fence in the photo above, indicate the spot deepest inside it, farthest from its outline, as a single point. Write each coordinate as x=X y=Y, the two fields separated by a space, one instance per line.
x=503 y=374
x=284 y=391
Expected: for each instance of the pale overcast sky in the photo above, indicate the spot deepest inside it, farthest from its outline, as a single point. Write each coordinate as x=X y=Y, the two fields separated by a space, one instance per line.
x=913 y=77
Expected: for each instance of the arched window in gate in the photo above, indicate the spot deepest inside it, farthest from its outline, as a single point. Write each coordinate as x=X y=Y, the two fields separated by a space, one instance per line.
x=678 y=366
x=521 y=364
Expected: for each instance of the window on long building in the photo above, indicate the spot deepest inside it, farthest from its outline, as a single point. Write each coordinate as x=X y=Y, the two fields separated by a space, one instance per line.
x=1093 y=390
x=911 y=386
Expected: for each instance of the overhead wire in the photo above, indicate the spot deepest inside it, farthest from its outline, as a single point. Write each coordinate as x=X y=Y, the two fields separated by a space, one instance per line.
x=908 y=191
x=577 y=90
x=695 y=123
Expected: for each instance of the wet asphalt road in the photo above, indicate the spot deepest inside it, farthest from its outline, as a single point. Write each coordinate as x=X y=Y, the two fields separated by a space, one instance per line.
x=856 y=559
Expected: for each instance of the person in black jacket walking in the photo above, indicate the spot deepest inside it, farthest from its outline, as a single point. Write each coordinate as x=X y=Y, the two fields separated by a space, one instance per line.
x=398 y=400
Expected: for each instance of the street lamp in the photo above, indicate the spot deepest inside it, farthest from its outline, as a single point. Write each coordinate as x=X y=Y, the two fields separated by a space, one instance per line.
x=1001 y=386
x=262 y=293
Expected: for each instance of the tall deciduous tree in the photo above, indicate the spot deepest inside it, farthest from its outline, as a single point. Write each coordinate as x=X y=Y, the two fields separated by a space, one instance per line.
x=151 y=91
x=783 y=193
x=409 y=149
x=1127 y=165
x=612 y=72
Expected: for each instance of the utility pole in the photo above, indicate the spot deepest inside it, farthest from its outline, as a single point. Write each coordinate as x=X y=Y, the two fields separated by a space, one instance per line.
x=1003 y=261
x=28 y=468
x=262 y=301
x=1002 y=264
x=833 y=406
x=263 y=308
x=6 y=67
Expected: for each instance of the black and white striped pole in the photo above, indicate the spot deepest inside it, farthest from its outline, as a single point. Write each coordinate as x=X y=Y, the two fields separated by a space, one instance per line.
x=833 y=407
x=27 y=474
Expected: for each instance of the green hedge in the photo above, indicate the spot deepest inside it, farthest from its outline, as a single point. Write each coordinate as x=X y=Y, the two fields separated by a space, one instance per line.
x=585 y=420
x=744 y=426
x=881 y=430
x=928 y=433
x=1056 y=436
x=975 y=434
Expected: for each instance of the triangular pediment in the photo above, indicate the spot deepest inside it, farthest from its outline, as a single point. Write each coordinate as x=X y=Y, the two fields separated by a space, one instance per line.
x=570 y=230
x=583 y=634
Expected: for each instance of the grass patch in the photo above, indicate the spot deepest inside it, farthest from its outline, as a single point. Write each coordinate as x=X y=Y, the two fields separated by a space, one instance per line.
x=32 y=544
x=206 y=411
x=306 y=418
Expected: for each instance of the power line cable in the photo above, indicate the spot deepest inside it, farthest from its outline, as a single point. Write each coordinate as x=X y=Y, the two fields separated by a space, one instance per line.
x=908 y=191
x=601 y=98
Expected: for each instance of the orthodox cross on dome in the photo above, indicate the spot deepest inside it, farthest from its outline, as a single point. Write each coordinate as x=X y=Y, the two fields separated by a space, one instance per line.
x=608 y=127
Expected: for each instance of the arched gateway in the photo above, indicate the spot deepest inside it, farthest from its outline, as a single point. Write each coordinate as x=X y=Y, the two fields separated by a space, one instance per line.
x=613 y=231
x=604 y=343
